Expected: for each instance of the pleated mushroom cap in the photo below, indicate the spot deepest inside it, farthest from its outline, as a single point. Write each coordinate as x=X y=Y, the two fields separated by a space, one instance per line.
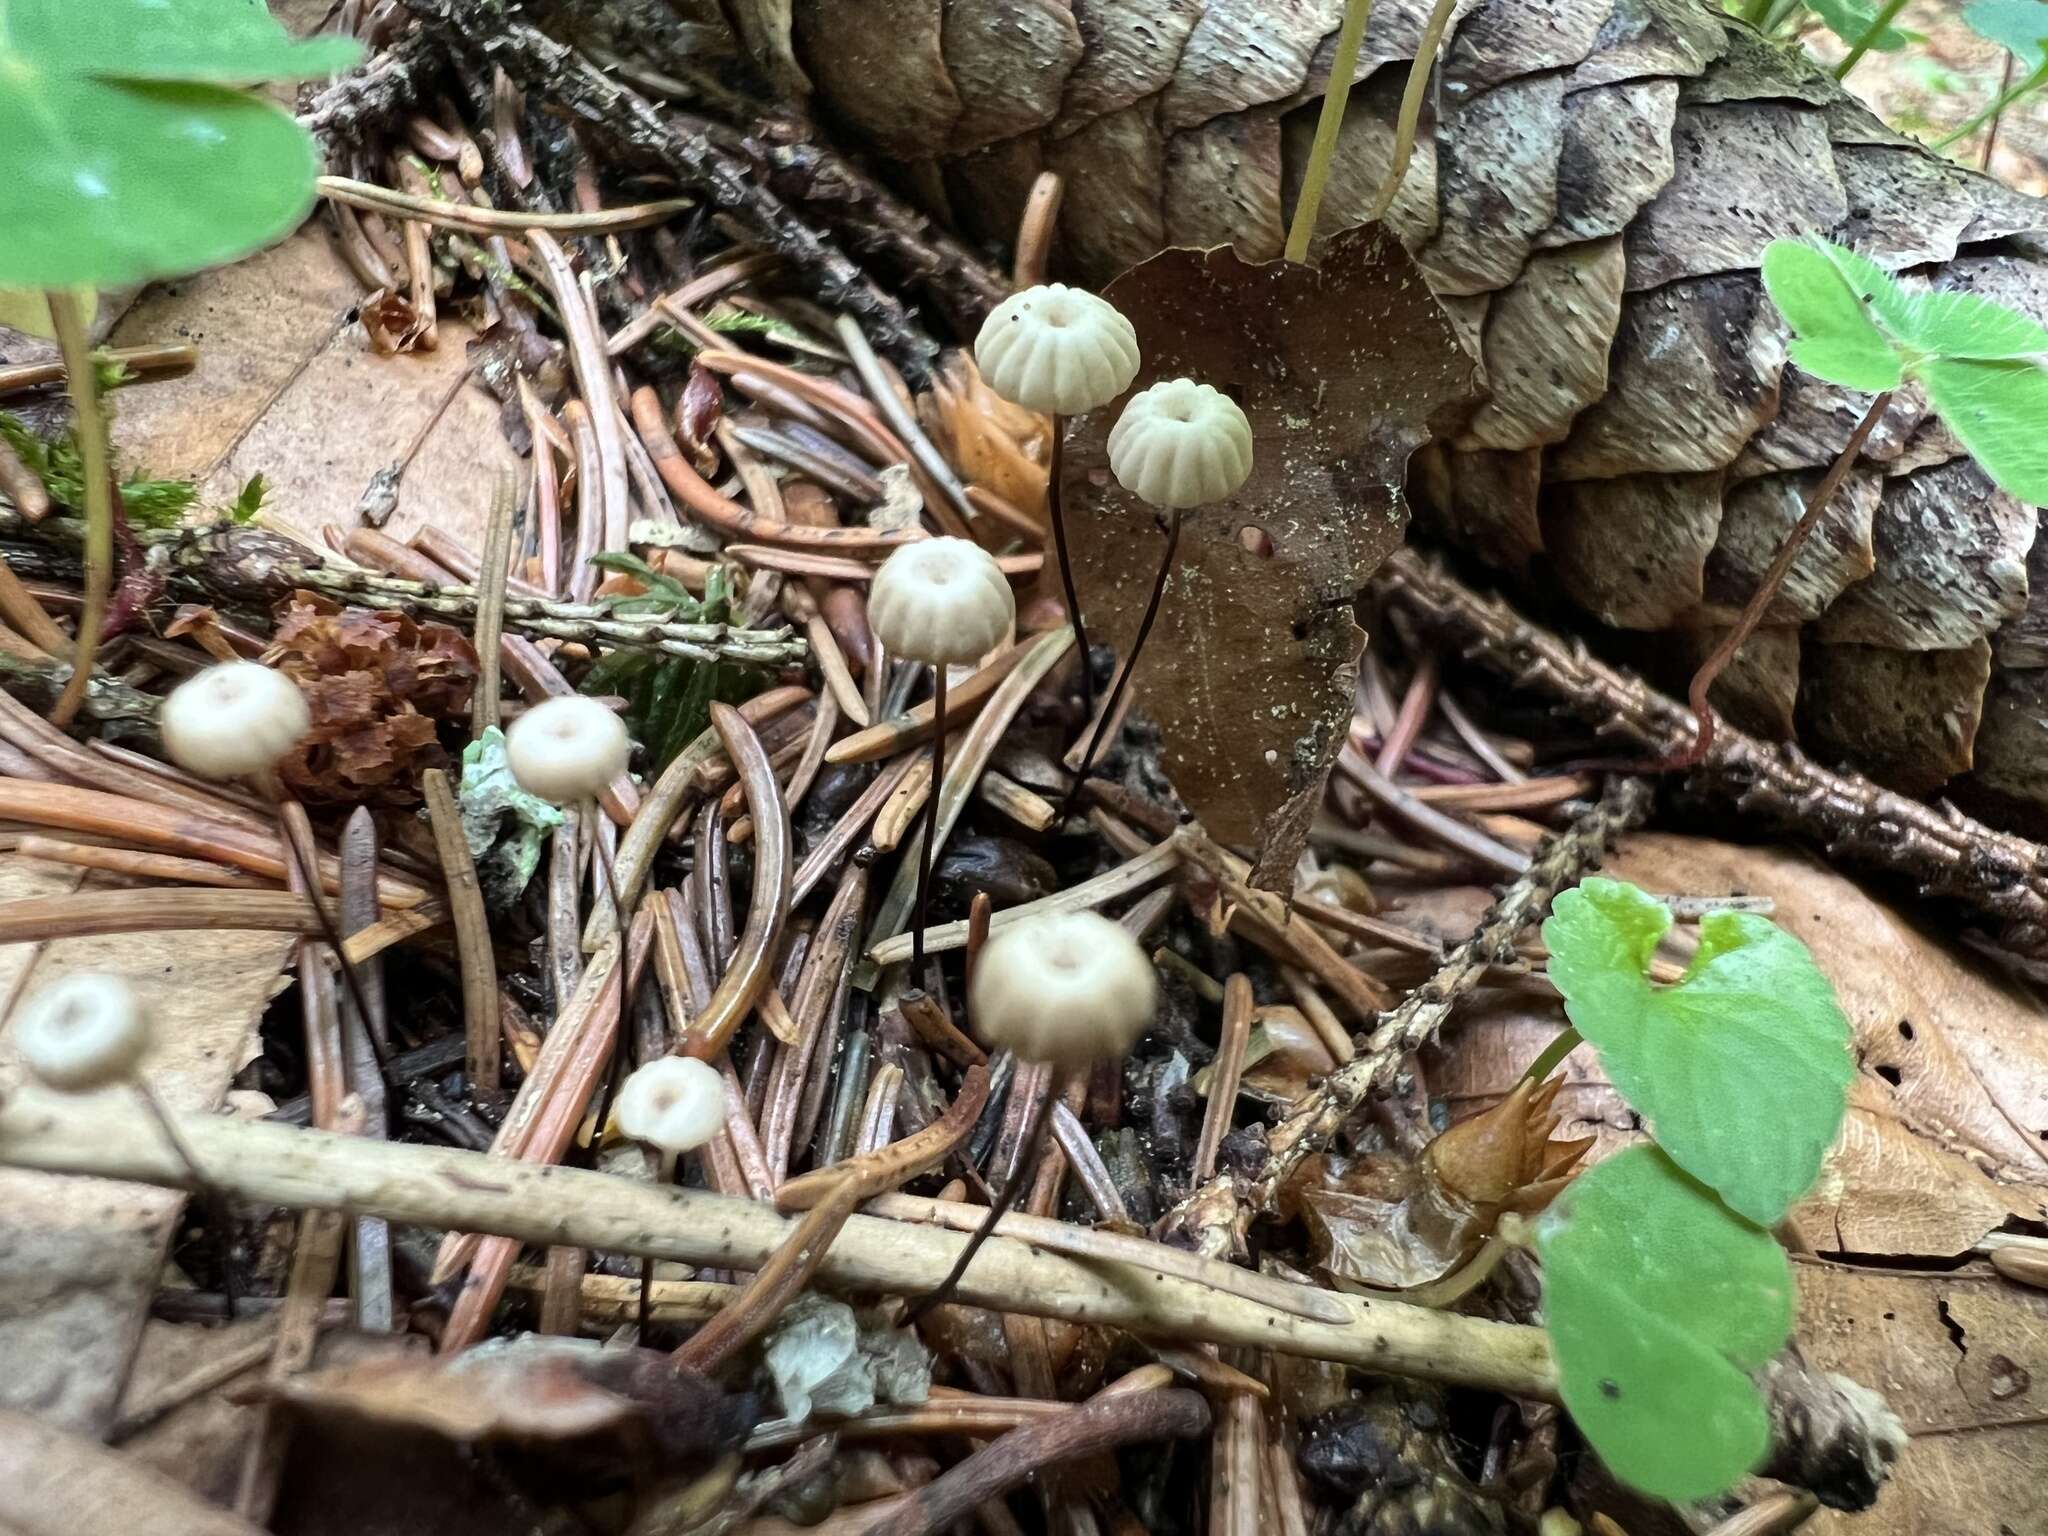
x=85 y=1031
x=232 y=720
x=1057 y=349
x=567 y=749
x=1181 y=444
x=1070 y=988
x=941 y=601
x=674 y=1104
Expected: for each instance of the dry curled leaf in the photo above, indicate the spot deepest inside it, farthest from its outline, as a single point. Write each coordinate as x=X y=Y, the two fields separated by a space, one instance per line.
x=1396 y=1222
x=376 y=684
x=533 y=1390
x=699 y=409
x=1343 y=370
x=392 y=323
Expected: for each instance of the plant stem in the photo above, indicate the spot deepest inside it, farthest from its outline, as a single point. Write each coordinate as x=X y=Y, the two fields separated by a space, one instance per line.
x=1020 y=1175
x=1884 y=18
x=1130 y=667
x=925 y=843
x=67 y=317
x=1343 y=65
x=1998 y=117
x=1767 y=589
x=1553 y=1054
x=1999 y=103
x=1411 y=106
x=1754 y=12
x=1059 y=544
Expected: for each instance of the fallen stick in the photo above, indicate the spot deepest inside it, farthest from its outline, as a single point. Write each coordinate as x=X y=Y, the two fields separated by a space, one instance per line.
x=450 y=1190
x=1943 y=851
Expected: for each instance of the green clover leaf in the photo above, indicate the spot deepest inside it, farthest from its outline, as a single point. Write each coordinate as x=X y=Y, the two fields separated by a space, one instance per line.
x=1660 y=1302
x=1996 y=410
x=1742 y=1067
x=1837 y=339
x=131 y=156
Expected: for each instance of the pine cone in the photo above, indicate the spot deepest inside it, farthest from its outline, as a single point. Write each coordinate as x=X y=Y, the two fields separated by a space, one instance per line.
x=1590 y=196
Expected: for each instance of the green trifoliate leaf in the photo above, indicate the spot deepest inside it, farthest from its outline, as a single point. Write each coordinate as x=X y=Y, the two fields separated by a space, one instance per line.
x=1742 y=1067
x=1999 y=411
x=129 y=157
x=1967 y=326
x=2018 y=26
x=213 y=42
x=503 y=824
x=1836 y=337
x=1659 y=1302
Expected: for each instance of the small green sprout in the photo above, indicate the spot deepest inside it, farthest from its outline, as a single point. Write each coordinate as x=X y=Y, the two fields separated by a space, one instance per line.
x=1853 y=20
x=1980 y=362
x=1663 y=1289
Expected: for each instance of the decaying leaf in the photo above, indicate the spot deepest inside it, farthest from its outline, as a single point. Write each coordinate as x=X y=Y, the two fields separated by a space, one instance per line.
x=1396 y=1222
x=826 y=1358
x=534 y=1390
x=1343 y=370
x=375 y=683
x=1963 y=1358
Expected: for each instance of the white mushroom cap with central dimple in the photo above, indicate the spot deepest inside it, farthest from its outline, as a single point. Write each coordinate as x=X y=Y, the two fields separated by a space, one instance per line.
x=231 y=720
x=674 y=1104
x=942 y=601
x=84 y=1031
x=1181 y=444
x=1069 y=987
x=1057 y=349
x=567 y=749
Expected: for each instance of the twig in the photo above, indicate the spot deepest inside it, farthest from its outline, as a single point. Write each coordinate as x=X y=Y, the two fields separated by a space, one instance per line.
x=1314 y=1119
x=1946 y=853
x=437 y=1187
x=1100 y=1425
x=471 y=219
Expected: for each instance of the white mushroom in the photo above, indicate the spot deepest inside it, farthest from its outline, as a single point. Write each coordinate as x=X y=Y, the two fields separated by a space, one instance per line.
x=674 y=1104
x=1070 y=988
x=565 y=750
x=233 y=720
x=1057 y=349
x=942 y=601
x=1181 y=444
x=85 y=1031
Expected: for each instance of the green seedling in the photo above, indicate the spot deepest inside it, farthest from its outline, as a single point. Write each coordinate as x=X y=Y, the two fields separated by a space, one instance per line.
x=137 y=154
x=1663 y=1290
x=1855 y=20
x=1660 y=1302
x=668 y=698
x=1979 y=362
x=1741 y=1068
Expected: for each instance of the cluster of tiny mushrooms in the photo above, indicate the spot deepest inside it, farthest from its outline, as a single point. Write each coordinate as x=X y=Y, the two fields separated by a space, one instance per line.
x=1063 y=989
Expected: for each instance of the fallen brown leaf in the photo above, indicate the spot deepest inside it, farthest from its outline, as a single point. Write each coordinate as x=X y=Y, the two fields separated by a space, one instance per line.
x=1344 y=369
x=1944 y=1136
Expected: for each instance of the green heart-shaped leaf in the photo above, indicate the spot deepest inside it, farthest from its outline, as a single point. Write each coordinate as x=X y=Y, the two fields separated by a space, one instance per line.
x=217 y=42
x=1997 y=410
x=1659 y=1302
x=1836 y=338
x=128 y=155
x=1741 y=1068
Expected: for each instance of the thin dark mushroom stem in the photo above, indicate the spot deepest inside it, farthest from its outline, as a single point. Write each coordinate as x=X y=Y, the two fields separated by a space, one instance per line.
x=1123 y=677
x=926 y=850
x=1040 y=1112
x=1067 y=590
